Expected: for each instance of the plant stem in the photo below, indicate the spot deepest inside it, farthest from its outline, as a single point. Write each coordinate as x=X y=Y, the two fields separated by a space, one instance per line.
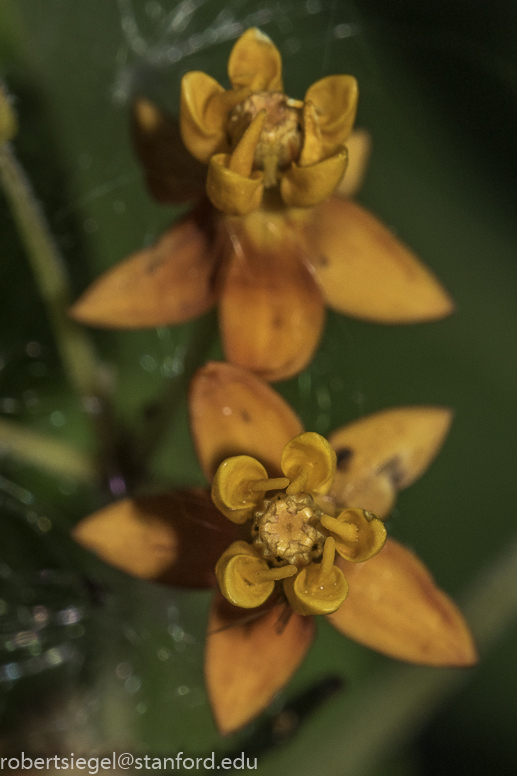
x=74 y=346
x=85 y=374
x=52 y=455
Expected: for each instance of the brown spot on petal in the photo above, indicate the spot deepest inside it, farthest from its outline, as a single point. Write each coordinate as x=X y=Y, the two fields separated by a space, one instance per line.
x=391 y=449
x=343 y=456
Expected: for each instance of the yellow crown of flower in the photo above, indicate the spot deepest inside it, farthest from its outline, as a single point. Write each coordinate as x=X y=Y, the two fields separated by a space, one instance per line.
x=293 y=539
x=254 y=138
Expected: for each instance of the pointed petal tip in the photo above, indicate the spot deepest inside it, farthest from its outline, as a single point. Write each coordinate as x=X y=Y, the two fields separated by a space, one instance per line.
x=366 y=272
x=174 y=538
x=250 y=656
x=255 y=62
x=170 y=282
x=382 y=453
x=395 y=607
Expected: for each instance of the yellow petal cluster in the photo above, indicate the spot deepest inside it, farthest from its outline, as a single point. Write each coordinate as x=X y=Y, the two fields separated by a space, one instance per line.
x=291 y=539
x=256 y=140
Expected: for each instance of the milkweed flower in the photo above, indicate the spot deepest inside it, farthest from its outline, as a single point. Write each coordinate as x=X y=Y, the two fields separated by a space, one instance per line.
x=256 y=140
x=266 y=239
x=393 y=605
x=293 y=540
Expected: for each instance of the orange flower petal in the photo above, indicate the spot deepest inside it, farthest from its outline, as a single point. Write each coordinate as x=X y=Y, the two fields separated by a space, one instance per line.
x=385 y=452
x=170 y=282
x=175 y=538
x=271 y=311
x=172 y=174
x=251 y=659
x=366 y=272
x=359 y=146
x=255 y=63
x=232 y=412
x=394 y=607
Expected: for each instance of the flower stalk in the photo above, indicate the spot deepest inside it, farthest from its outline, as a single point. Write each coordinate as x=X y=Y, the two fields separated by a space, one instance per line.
x=74 y=345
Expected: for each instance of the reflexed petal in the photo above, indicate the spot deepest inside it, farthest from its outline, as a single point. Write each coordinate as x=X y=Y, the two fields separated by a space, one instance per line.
x=359 y=146
x=319 y=588
x=230 y=192
x=255 y=63
x=359 y=534
x=366 y=272
x=232 y=412
x=231 y=185
x=170 y=282
x=271 y=310
x=308 y=186
x=173 y=175
x=309 y=459
x=251 y=659
x=235 y=565
x=204 y=107
x=175 y=538
x=382 y=453
x=231 y=492
x=395 y=607
x=245 y=579
x=312 y=149
x=335 y=99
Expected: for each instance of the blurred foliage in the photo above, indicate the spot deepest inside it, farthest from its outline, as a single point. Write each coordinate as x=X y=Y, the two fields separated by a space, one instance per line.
x=438 y=93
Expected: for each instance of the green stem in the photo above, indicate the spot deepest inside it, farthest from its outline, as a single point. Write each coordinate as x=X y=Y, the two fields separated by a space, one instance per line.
x=49 y=454
x=84 y=372
x=357 y=733
x=74 y=346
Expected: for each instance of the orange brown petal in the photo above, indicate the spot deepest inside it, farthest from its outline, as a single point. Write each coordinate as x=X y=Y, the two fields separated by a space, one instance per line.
x=255 y=63
x=382 y=453
x=250 y=657
x=172 y=174
x=366 y=272
x=232 y=412
x=395 y=607
x=168 y=283
x=175 y=538
x=271 y=311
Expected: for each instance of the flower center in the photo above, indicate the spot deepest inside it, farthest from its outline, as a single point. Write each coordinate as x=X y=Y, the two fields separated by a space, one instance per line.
x=286 y=530
x=281 y=140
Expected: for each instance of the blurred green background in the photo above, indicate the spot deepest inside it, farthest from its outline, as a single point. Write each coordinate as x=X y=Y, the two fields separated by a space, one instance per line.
x=119 y=663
